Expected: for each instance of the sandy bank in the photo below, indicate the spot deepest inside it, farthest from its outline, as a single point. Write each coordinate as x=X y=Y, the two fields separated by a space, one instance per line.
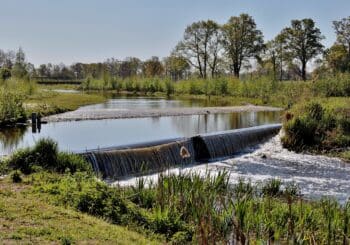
x=98 y=114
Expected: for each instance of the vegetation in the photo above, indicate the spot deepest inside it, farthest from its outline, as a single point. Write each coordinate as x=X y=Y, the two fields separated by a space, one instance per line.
x=26 y=217
x=11 y=108
x=50 y=102
x=318 y=125
x=45 y=155
x=181 y=209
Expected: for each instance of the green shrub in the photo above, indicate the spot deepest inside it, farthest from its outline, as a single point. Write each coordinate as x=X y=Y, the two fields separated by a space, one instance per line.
x=46 y=151
x=16 y=176
x=5 y=74
x=314 y=126
x=11 y=107
x=72 y=163
x=45 y=155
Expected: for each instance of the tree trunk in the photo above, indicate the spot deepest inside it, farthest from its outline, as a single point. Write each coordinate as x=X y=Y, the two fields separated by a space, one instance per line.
x=303 y=70
x=236 y=70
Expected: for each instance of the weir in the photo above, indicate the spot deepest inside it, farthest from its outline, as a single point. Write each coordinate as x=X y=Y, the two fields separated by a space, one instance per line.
x=150 y=157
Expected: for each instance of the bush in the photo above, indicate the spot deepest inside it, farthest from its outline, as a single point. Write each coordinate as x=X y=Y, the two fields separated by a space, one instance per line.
x=5 y=74
x=11 y=107
x=45 y=155
x=72 y=163
x=46 y=151
x=316 y=126
x=16 y=176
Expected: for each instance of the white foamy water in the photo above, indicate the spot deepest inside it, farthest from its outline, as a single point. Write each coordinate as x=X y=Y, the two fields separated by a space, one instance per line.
x=316 y=176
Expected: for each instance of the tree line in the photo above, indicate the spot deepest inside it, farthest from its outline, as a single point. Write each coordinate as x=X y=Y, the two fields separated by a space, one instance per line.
x=210 y=49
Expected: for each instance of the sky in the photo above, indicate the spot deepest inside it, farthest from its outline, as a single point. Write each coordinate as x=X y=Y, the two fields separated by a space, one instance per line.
x=71 y=31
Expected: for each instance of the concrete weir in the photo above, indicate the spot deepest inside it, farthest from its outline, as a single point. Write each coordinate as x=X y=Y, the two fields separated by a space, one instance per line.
x=150 y=157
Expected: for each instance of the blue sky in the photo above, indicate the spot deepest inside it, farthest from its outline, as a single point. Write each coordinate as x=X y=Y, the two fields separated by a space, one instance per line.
x=93 y=30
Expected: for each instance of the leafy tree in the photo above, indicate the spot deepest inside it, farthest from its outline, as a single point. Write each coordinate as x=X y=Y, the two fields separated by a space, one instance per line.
x=303 y=42
x=241 y=40
x=78 y=70
x=152 y=67
x=342 y=29
x=129 y=67
x=337 y=58
x=200 y=46
x=176 y=66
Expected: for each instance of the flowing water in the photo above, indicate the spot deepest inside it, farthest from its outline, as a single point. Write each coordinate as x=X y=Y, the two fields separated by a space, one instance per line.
x=155 y=157
x=317 y=176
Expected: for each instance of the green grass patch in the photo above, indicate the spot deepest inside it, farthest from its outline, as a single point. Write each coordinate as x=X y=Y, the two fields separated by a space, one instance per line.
x=28 y=218
x=48 y=102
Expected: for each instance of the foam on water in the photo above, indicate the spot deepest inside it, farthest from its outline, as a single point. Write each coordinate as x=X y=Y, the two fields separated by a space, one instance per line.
x=316 y=175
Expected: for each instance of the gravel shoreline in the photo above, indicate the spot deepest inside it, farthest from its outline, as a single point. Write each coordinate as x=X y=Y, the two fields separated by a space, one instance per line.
x=99 y=114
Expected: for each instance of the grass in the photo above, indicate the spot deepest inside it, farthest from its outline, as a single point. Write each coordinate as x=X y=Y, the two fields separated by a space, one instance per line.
x=27 y=218
x=47 y=102
x=179 y=209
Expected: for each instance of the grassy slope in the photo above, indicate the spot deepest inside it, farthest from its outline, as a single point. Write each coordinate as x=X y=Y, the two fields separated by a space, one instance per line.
x=26 y=219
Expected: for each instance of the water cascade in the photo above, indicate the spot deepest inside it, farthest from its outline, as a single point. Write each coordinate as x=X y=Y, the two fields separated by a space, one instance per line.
x=227 y=143
x=156 y=156
x=140 y=160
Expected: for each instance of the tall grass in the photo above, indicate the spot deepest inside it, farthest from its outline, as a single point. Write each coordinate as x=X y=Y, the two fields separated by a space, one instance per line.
x=189 y=208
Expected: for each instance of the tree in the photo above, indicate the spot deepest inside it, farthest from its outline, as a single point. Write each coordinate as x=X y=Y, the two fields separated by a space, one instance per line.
x=303 y=42
x=19 y=68
x=78 y=70
x=241 y=41
x=342 y=29
x=276 y=55
x=152 y=67
x=129 y=67
x=200 y=46
x=176 y=67
x=337 y=58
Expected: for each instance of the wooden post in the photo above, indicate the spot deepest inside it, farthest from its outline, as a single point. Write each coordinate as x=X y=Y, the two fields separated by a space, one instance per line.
x=34 y=122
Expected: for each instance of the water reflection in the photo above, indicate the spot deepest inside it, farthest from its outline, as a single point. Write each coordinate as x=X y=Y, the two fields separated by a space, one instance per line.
x=11 y=137
x=81 y=135
x=137 y=102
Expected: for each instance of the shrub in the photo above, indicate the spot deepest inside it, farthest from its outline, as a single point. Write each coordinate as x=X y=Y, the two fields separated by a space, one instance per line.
x=45 y=155
x=72 y=163
x=46 y=151
x=11 y=107
x=16 y=176
x=5 y=73
x=316 y=127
